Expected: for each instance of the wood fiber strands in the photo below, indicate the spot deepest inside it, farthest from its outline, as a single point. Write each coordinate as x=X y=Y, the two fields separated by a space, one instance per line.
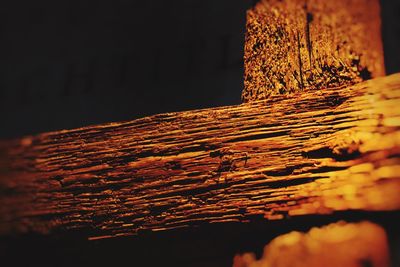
x=314 y=152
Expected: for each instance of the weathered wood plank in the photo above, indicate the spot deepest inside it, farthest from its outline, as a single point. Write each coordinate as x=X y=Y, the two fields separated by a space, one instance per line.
x=310 y=153
x=310 y=44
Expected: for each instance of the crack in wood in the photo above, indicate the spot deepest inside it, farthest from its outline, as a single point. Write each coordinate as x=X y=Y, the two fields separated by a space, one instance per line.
x=276 y=158
x=310 y=44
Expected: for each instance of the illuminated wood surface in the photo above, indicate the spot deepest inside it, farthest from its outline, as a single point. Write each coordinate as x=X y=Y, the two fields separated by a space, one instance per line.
x=293 y=45
x=339 y=244
x=306 y=153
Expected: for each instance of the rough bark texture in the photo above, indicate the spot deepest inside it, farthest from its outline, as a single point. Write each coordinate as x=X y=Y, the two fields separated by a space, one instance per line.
x=293 y=45
x=339 y=244
x=310 y=153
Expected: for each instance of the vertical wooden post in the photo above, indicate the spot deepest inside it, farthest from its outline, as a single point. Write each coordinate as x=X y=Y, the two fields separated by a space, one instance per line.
x=296 y=45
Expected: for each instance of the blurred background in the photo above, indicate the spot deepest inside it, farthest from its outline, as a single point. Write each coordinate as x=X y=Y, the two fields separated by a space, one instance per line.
x=71 y=63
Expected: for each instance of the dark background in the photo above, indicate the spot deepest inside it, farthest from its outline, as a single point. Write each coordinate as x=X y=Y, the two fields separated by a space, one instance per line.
x=66 y=64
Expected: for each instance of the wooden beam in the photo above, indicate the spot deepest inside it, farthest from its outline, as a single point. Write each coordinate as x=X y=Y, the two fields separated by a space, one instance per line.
x=311 y=153
x=294 y=45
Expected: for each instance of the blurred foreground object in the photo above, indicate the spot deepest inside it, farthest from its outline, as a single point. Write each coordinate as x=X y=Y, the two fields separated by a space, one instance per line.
x=293 y=45
x=339 y=244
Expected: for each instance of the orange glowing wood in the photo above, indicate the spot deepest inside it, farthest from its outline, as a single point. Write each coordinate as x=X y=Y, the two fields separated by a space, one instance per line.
x=339 y=244
x=294 y=45
x=308 y=153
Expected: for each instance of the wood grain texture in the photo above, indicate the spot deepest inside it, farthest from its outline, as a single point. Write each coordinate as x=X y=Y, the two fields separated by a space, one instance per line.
x=294 y=45
x=311 y=153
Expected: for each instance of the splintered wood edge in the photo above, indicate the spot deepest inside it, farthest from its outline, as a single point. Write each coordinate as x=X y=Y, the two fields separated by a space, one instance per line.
x=311 y=153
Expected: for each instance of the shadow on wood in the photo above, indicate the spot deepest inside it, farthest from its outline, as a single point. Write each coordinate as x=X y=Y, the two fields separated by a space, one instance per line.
x=310 y=153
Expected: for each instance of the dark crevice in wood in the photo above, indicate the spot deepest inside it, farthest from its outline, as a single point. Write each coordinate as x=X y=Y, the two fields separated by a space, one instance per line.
x=296 y=45
x=327 y=152
x=267 y=160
